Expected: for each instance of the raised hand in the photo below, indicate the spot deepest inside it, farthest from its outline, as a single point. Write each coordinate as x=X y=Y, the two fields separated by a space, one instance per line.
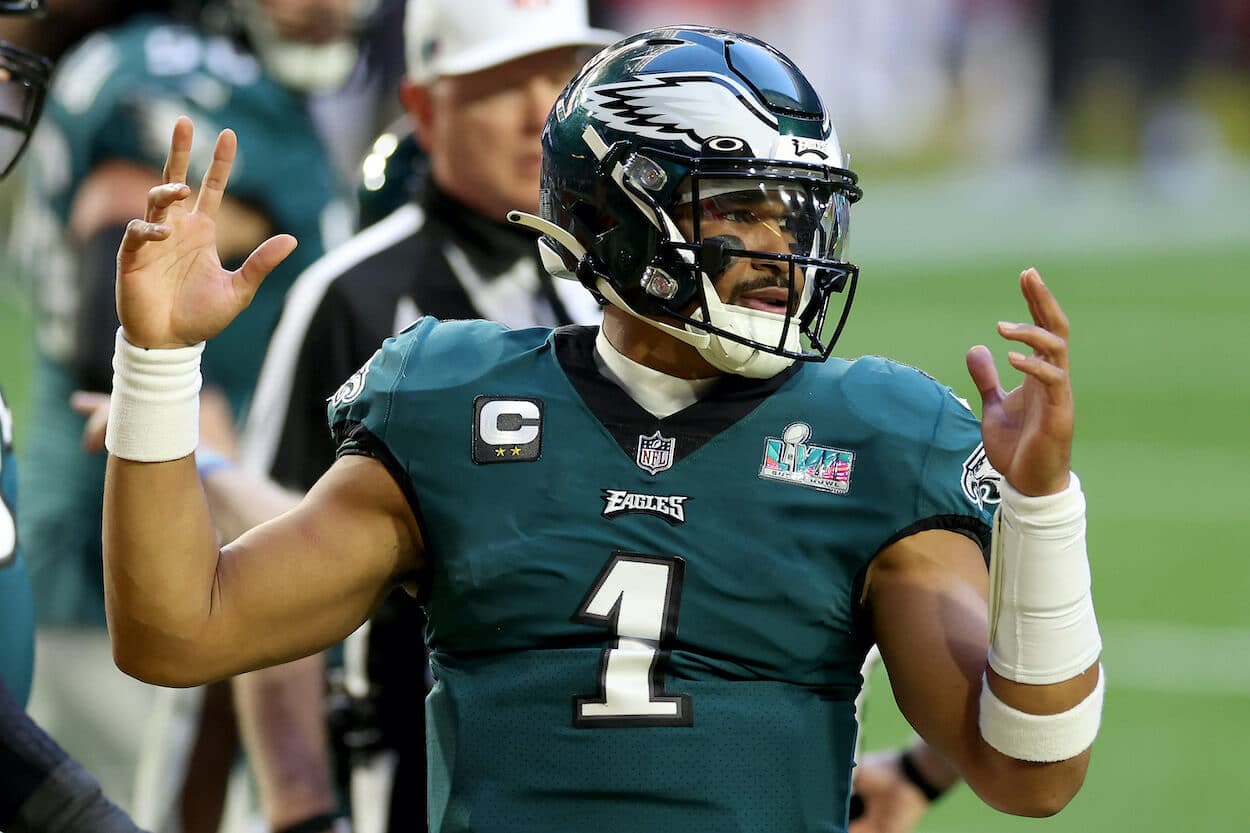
x=1028 y=432
x=172 y=290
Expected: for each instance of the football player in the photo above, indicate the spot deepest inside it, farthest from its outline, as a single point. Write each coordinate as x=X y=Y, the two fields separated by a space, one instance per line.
x=252 y=65
x=616 y=643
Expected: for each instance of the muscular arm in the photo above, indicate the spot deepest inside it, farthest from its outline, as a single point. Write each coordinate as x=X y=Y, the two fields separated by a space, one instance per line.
x=183 y=612
x=939 y=577
x=280 y=710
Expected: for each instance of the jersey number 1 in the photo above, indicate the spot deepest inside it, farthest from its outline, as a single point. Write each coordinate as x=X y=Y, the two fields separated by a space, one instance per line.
x=637 y=597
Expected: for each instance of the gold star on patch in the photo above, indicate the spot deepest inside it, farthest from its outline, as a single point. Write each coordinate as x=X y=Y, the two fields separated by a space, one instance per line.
x=498 y=452
x=516 y=452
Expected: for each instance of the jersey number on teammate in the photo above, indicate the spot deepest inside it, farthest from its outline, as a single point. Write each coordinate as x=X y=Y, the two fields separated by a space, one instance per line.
x=8 y=529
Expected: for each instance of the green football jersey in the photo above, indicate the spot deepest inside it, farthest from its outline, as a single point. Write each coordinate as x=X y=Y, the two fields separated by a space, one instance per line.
x=17 y=614
x=640 y=623
x=116 y=97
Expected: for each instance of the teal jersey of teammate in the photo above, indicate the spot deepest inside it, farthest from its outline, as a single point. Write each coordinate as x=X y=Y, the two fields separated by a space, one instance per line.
x=641 y=623
x=116 y=97
x=17 y=614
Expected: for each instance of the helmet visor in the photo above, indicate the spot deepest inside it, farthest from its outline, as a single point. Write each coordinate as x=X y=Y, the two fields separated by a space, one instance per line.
x=770 y=244
x=23 y=83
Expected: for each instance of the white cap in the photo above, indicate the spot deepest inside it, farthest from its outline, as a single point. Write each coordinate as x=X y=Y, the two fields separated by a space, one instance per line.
x=455 y=37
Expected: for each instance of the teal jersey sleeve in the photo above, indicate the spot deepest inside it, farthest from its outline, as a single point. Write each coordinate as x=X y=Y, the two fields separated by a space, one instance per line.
x=17 y=617
x=364 y=405
x=381 y=410
x=957 y=479
x=925 y=445
x=360 y=411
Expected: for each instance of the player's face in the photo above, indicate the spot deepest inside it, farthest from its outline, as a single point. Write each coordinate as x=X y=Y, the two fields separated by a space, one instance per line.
x=755 y=221
x=309 y=21
x=483 y=138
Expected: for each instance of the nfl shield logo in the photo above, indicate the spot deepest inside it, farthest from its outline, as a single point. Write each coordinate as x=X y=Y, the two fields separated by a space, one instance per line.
x=655 y=453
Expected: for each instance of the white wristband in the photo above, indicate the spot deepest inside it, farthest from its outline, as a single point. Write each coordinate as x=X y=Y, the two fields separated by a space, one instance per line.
x=1043 y=738
x=1042 y=624
x=154 y=413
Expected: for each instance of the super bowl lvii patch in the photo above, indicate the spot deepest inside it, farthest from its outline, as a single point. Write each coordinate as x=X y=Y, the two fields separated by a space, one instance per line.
x=790 y=458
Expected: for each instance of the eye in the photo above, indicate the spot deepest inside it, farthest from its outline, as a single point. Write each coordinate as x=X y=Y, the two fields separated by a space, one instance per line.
x=742 y=215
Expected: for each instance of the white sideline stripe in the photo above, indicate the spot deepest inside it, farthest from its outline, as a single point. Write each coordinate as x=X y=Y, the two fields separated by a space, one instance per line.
x=267 y=413
x=1176 y=659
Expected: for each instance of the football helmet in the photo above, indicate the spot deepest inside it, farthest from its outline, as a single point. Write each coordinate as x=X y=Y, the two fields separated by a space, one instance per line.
x=23 y=86
x=686 y=160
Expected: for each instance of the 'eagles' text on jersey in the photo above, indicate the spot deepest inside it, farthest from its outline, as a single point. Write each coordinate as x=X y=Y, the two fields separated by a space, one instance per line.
x=641 y=623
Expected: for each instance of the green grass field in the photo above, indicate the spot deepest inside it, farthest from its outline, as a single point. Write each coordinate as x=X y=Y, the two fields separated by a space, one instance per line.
x=1158 y=290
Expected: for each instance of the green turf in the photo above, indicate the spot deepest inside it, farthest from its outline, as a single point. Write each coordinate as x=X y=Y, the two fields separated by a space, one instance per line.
x=1163 y=448
x=15 y=353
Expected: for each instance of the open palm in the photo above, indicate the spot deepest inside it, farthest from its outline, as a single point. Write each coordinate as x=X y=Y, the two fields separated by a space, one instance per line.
x=172 y=290
x=1028 y=432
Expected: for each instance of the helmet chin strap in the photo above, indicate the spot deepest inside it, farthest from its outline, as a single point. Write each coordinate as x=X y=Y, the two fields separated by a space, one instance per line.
x=740 y=359
x=556 y=266
x=724 y=354
x=698 y=339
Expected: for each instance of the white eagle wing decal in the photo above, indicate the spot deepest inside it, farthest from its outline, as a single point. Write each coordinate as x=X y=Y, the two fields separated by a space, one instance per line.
x=686 y=106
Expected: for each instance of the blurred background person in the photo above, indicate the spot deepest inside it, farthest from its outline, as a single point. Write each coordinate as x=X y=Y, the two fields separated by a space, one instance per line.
x=42 y=790
x=481 y=79
x=253 y=65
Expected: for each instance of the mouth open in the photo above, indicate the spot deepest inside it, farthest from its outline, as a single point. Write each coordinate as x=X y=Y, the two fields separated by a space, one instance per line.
x=774 y=299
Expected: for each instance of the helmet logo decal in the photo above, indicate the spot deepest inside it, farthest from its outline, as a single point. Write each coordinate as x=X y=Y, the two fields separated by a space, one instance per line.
x=692 y=107
x=805 y=147
x=726 y=144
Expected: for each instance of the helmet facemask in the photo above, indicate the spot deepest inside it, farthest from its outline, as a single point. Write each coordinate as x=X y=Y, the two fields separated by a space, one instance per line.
x=750 y=254
x=24 y=78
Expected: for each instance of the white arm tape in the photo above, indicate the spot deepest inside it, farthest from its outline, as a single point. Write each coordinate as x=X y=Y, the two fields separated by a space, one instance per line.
x=1042 y=624
x=1042 y=738
x=154 y=414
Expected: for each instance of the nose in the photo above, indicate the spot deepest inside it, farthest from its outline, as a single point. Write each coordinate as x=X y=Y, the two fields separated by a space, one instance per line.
x=775 y=268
